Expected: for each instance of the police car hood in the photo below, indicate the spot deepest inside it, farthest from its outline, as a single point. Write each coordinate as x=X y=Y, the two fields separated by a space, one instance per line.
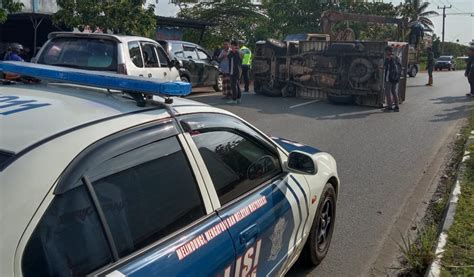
x=31 y=113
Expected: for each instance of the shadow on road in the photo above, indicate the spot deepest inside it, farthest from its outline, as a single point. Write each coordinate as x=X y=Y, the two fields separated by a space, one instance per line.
x=279 y=105
x=458 y=112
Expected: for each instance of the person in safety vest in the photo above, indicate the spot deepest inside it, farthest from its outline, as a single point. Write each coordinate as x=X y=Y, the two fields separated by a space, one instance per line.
x=246 y=62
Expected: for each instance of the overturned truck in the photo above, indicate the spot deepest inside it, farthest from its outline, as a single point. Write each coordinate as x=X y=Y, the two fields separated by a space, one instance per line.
x=342 y=72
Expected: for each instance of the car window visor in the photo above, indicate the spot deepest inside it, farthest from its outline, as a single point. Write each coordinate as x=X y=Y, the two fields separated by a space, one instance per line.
x=97 y=79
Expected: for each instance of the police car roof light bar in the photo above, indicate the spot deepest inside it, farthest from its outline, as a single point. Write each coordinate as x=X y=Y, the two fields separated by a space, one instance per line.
x=135 y=86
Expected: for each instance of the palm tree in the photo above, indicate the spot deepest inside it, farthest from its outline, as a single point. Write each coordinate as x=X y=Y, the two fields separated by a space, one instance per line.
x=416 y=11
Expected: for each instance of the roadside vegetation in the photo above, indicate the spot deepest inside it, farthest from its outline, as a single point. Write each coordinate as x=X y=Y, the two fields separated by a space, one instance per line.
x=458 y=259
x=418 y=251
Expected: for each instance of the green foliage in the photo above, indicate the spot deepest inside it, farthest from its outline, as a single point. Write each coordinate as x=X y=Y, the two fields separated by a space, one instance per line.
x=121 y=17
x=418 y=254
x=458 y=259
x=9 y=6
x=231 y=19
x=416 y=10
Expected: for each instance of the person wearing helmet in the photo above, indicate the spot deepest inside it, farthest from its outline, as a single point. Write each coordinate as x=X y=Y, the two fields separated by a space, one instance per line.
x=15 y=53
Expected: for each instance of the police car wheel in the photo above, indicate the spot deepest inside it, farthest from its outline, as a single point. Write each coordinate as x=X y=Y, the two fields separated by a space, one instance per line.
x=320 y=235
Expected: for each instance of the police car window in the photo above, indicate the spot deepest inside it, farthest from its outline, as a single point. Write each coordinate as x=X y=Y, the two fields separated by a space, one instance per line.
x=147 y=194
x=236 y=164
x=149 y=55
x=162 y=57
x=135 y=53
x=68 y=240
x=190 y=52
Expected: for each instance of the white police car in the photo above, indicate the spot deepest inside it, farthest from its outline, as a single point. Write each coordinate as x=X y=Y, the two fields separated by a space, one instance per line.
x=93 y=184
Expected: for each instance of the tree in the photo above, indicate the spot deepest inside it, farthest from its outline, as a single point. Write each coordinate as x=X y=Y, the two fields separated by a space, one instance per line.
x=128 y=17
x=231 y=19
x=416 y=10
x=9 y=6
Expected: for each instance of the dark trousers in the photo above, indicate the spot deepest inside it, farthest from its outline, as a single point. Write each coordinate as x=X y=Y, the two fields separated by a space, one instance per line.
x=246 y=76
x=235 y=87
x=471 y=83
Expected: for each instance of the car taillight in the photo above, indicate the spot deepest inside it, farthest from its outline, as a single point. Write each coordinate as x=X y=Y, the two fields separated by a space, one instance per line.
x=122 y=69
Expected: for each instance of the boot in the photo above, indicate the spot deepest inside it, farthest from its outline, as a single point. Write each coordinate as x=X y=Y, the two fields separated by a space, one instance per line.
x=430 y=82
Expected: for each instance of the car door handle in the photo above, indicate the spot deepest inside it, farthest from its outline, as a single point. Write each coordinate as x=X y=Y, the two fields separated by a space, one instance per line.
x=249 y=235
x=140 y=75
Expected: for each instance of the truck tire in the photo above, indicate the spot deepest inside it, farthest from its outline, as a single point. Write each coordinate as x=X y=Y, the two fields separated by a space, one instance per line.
x=361 y=70
x=276 y=43
x=413 y=71
x=271 y=92
x=341 y=99
x=288 y=91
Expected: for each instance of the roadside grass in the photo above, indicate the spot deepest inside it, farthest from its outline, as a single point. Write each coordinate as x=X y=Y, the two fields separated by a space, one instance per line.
x=418 y=251
x=458 y=258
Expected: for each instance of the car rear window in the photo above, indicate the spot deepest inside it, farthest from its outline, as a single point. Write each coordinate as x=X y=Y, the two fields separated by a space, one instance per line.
x=83 y=53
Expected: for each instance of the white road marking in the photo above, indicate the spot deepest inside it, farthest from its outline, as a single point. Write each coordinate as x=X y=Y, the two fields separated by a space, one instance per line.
x=304 y=104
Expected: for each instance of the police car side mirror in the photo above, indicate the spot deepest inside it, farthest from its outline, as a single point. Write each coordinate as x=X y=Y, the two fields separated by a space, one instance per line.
x=301 y=162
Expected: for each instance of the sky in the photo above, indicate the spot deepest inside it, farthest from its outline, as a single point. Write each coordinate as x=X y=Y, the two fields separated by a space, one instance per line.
x=457 y=26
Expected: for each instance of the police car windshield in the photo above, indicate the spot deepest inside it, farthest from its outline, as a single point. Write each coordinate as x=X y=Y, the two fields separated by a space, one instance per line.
x=83 y=53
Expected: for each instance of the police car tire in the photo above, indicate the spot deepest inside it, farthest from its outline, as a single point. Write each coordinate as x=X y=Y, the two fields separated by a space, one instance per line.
x=312 y=255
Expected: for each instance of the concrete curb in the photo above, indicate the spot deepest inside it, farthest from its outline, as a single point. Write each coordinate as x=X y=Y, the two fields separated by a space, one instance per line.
x=435 y=268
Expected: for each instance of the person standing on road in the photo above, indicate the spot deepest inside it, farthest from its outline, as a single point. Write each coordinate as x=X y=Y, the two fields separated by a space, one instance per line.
x=430 y=65
x=225 y=69
x=391 y=77
x=235 y=65
x=470 y=69
x=246 y=64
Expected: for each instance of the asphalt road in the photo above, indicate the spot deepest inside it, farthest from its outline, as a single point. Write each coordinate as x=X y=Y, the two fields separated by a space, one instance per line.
x=380 y=156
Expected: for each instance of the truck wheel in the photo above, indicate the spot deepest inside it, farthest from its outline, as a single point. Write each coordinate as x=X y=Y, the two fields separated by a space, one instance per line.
x=276 y=43
x=361 y=70
x=413 y=71
x=288 y=91
x=341 y=99
x=320 y=235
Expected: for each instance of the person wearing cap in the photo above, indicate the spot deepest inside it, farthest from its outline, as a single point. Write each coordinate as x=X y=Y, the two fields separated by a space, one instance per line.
x=469 y=73
x=430 y=65
x=246 y=63
x=15 y=52
x=391 y=78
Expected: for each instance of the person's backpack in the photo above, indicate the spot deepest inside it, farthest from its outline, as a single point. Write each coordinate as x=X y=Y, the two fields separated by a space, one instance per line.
x=395 y=72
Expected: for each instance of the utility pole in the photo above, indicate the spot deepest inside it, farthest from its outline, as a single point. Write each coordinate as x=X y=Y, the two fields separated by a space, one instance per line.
x=444 y=19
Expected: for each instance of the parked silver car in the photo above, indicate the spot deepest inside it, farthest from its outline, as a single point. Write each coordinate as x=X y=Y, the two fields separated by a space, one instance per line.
x=129 y=55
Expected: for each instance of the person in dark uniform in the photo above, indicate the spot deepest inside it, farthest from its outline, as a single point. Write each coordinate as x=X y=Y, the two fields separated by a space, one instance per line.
x=430 y=65
x=235 y=71
x=470 y=69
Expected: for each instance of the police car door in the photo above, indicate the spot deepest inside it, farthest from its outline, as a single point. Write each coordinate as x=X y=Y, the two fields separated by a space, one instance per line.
x=151 y=202
x=264 y=208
